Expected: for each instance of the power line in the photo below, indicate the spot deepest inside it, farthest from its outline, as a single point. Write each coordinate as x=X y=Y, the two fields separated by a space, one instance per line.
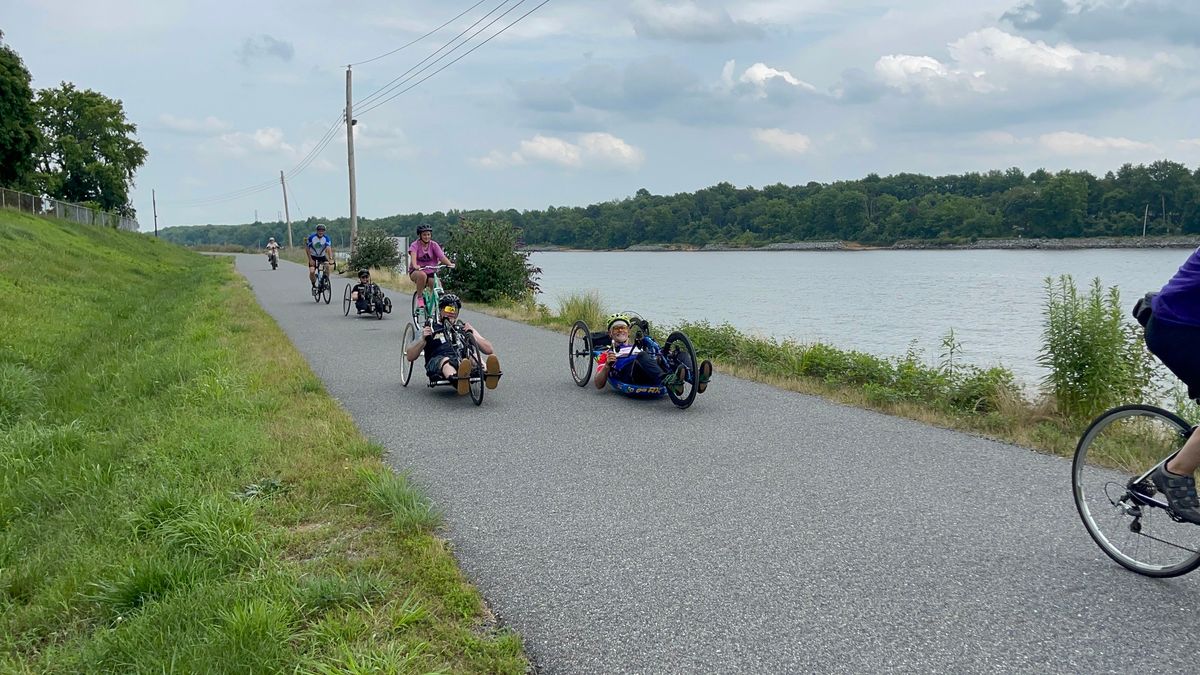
x=376 y=58
x=387 y=87
x=489 y=39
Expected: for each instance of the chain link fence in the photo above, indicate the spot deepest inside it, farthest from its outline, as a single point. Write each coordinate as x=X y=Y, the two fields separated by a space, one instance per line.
x=45 y=206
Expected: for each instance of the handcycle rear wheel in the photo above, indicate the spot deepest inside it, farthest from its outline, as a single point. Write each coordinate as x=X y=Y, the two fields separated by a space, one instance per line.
x=678 y=350
x=406 y=366
x=1127 y=518
x=346 y=301
x=579 y=353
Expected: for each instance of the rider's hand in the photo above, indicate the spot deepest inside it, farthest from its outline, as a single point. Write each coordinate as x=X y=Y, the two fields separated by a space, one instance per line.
x=427 y=332
x=467 y=327
x=451 y=265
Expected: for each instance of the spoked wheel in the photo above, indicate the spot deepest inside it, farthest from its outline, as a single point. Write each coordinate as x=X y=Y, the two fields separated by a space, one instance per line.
x=316 y=291
x=327 y=290
x=475 y=361
x=419 y=314
x=346 y=301
x=406 y=366
x=678 y=350
x=1126 y=516
x=579 y=353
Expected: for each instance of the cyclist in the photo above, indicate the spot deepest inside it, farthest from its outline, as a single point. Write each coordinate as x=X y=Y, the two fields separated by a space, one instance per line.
x=441 y=357
x=636 y=366
x=364 y=292
x=1173 y=335
x=423 y=256
x=272 y=248
x=320 y=250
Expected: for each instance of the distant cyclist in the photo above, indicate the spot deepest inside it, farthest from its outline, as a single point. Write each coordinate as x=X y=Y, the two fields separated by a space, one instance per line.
x=320 y=251
x=272 y=250
x=423 y=256
x=1173 y=335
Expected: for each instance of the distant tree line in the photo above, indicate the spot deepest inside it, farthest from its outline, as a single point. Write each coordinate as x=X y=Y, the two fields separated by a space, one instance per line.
x=64 y=142
x=1163 y=197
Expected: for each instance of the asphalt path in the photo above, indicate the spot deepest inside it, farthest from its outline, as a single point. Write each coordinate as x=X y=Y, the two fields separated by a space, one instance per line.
x=759 y=530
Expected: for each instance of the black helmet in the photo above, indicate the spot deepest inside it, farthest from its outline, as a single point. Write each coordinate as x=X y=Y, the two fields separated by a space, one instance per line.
x=320 y=227
x=450 y=299
x=423 y=228
x=364 y=273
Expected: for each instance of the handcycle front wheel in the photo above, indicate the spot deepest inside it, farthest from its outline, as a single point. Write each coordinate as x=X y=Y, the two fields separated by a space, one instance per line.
x=475 y=370
x=1125 y=516
x=579 y=353
x=346 y=301
x=406 y=366
x=678 y=351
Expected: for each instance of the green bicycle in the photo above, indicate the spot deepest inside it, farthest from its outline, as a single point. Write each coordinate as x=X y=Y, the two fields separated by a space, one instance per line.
x=424 y=298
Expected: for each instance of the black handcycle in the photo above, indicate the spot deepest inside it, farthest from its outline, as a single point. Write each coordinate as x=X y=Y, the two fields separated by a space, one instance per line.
x=469 y=354
x=378 y=304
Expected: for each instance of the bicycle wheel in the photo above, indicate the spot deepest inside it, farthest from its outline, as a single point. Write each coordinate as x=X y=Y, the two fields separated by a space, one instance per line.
x=475 y=361
x=678 y=350
x=327 y=291
x=579 y=353
x=1121 y=509
x=419 y=313
x=406 y=366
x=346 y=301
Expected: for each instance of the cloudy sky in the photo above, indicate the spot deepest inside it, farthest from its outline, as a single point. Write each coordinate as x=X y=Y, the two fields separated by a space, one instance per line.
x=588 y=100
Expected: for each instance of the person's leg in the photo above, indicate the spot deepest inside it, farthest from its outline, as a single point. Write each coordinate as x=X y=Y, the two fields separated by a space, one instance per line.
x=493 y=371
x=312 y=273
x=419 y=280
x=1175 y=345
x=705 y=373
x=646 y=370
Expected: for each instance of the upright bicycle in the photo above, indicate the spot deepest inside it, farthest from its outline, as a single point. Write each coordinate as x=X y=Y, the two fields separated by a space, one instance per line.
x=1121 y=508
x=322 y=289
x=426 y=311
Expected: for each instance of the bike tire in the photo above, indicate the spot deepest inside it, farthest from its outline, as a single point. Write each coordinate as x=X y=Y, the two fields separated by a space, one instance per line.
x=327 y=291
x=676 y=350
x=1142 y=538
x=475 y=359
x=406 y=367
x=579 y=353
x=419 y=314
x=346 y=301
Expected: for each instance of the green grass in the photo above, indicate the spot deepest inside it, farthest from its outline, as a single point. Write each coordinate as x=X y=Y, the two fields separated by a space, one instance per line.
x=177 y=495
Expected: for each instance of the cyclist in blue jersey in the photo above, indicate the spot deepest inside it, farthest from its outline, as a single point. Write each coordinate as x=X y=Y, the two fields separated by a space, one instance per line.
x=1173 y=335
x=320 y=251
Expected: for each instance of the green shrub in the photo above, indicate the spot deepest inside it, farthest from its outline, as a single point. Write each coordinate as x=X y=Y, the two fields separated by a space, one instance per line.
x=1096 y=357
x=488 y=264
x=375 y=248
x=586 y=307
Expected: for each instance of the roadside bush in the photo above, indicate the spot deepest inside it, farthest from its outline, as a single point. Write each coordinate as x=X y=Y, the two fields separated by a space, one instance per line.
x=376 y=248
x=489 y=265
x=1096 y=357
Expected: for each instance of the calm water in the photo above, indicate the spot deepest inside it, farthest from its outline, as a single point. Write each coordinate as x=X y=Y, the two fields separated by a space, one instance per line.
x=879 y=302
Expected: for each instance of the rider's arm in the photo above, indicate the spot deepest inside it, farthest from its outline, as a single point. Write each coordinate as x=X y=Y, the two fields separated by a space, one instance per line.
x=442 y=257
x=484 y=345
x=414 y=350
x=412 y=261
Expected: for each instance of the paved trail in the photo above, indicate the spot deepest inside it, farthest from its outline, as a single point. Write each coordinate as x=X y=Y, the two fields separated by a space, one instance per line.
x=761 y=530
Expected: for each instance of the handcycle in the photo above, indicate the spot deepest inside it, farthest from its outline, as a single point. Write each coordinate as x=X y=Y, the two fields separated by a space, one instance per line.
x=468 y=353
x=422 y=314
x=378 y=304
x=585 y=347
x=321 y=287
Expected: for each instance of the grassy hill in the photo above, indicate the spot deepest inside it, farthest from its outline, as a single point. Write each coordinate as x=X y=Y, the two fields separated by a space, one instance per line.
x=179 y=494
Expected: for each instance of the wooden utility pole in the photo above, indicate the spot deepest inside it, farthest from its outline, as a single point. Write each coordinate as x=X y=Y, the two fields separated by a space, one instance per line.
x=1145 y=215
x=285 y=209
x=1166 y=225
x=154 y=204
x=350 y=161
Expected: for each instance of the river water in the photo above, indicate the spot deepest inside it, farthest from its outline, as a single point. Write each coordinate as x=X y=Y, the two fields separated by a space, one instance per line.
x=880 y=302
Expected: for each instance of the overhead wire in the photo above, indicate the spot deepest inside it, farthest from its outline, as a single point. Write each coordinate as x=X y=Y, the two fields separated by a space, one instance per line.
x=463 y=55
x=405 y=46
x=393 y=83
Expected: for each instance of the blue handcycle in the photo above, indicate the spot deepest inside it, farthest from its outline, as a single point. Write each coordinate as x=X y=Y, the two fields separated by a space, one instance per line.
x=674 y=355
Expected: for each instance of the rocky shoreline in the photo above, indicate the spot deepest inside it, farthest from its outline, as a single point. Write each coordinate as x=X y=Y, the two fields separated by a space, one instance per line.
x=980 y=244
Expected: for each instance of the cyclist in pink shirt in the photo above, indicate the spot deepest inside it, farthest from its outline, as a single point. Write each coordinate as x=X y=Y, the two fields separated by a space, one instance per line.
x=423 y=256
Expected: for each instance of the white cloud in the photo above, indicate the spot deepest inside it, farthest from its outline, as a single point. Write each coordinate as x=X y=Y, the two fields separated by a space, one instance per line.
x=1072 y=143
x=687 y=20
x=185 y=125
x=991 y=60
x=595 y=149
x=783 y=142
x=260 y=141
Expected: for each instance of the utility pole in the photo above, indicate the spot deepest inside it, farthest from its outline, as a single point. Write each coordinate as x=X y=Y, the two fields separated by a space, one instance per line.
x=1145 y=215
x=1166 y=225
x=154 y=203
x=350 y=161
x=285 y=209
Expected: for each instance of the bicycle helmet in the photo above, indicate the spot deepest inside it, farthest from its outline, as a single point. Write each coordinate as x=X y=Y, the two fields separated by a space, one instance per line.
x=320 y=228
x=614 y=318
x=423 y=228
x=270 y=238
x=364 y=273
x=450 y=300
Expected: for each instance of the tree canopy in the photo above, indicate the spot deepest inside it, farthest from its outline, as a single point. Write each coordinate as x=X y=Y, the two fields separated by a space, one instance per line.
x=1164 y=196
x=18 y=120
